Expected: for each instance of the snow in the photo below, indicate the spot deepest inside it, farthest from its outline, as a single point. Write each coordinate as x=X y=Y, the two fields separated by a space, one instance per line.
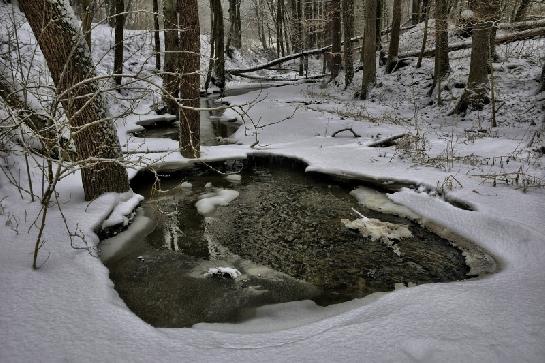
x=210 y=201
x=68 y=310
x=125 y=205
x=233 y=178
x=376 y=229
x=223 y=272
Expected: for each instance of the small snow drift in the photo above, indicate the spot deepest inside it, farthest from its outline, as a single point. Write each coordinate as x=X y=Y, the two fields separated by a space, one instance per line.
x=221 y=197
x=378 y=230
x=223 y=273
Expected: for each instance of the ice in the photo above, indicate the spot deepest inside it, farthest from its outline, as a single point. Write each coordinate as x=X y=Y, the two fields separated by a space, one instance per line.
x=220 y=197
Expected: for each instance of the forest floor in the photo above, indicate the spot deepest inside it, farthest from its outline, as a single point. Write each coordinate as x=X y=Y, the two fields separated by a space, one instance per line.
x=69 y=309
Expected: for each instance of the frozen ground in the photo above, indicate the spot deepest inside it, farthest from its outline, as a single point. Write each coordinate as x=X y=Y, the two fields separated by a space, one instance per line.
x=69 y=310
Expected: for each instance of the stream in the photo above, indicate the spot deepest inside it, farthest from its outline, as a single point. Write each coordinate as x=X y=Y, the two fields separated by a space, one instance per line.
x=224 y=238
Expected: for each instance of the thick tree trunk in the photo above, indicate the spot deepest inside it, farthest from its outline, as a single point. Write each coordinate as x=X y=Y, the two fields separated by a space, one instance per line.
x=475 y=95
x=442 y=65
x=393 y=49
x=172 y=54
x=118 y=47
x=38 y=122
x=348 y=22
x=336 y=58
x=369 y=48
x=190 y=46
x=71 y=68
x=156 y=34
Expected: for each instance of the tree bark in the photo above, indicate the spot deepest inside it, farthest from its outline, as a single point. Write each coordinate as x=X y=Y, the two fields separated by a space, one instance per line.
x=393 y=49
x=369 y=48
x=442 y=65
x=71 y=68
x=348 y=22
x=118 y=39
x=190 y=46
x=156 y=34
x=172 y=54
x=336 y=59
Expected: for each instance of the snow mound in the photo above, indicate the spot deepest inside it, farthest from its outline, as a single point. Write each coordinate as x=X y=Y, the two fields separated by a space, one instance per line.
x=186 y=185
x=208 y=203
x=125 y=206
x=223 y=272
x=234 y=178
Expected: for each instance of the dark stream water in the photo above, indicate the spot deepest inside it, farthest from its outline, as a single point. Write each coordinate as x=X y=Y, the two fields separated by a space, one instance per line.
x=283 y=233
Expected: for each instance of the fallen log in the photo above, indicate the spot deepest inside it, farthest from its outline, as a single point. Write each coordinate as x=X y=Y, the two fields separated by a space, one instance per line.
x=285 y=59
x=522 y=25
x=523 y=35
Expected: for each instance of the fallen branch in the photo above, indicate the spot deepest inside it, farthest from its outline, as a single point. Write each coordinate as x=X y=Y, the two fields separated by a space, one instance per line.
x=285 y=59
x=346 y=129
x=523 y=35
x=390 y=141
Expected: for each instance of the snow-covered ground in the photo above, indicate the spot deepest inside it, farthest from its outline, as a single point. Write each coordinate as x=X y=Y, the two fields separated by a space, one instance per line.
x=69 y=309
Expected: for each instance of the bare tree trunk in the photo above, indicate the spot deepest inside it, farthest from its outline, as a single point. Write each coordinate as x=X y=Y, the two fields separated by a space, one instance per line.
x=415 y=13
x=426 y=4
x=234 y=37
x=522 y=10
x=475 y=95
x=157 y=36
x=118 y=39
x=348 y=22
x=38 y=122
x=71 y=68
x=190 y=46
x=543 y=78
x=336 y=59
x=369 y=48
x=87 y=19
x=442 y=65
x=219 y=45
x=393 y=49
x=172 y=54
x=280 y=51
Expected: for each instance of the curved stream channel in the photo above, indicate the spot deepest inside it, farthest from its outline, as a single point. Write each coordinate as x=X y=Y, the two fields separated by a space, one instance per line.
x=281 y=235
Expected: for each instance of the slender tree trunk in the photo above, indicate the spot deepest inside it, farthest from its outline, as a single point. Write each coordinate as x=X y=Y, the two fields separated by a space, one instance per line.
x=543 y=78
x=522 y=10
x=157 y=36
x=425 y=37
x=219 y=45
x=172 y=54
x=71 y=66
x=280 y=51
x=211 y=60
x=415 y=14
x=336 y=58
x=393 y=49
x=442 y=65
x=369 y=48
x=87 y=19
x=348 y=22
x=190 y=45
x=118 y=47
